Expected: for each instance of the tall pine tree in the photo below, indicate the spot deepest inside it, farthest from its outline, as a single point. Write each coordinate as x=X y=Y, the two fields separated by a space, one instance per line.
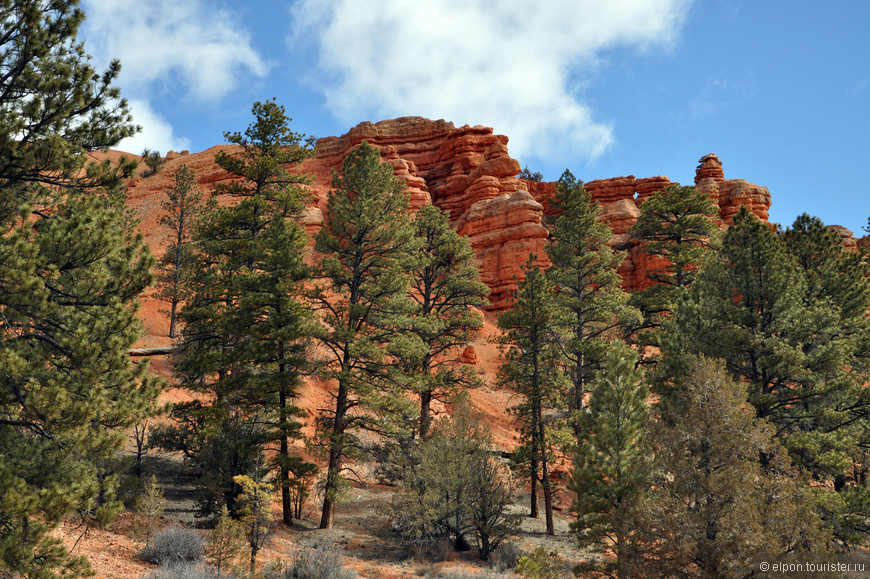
x=676 y=227
x=71 y=266
x=446 y=291
x=364 y=246
x=584 y=272
x=246 y=322
x=183 y=203
x=532 y=369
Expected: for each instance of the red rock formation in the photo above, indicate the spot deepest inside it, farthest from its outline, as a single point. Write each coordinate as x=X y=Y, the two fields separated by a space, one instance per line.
x=469 y=172
x=730 y=194
x=466 y=171
x=848 y=238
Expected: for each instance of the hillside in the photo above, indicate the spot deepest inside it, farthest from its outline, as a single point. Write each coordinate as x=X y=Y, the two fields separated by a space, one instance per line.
x=468 y=171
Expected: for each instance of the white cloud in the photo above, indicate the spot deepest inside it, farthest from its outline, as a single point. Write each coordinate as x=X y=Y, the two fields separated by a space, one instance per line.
x=202 y=45
x=156 y=134
x=516 y=65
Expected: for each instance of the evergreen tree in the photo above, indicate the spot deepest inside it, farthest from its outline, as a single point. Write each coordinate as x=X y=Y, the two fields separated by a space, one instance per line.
x=784 y=312
x=226 y=542
x=676 y=228
x=254 y=509
x=364 y=244
x=774 y=324
x=268 y=147
x=153 y=160
x=56 y=107
x=71 y=266
x=584 y=273
x=246 y=323
x=182 y=205
x=712 y=507
x=610 y=467
x=532 y=369
x=446 y=289
x=68 y=391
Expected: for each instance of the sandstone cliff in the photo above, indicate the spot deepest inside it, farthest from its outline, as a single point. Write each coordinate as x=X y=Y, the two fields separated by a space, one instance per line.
x=469 y=172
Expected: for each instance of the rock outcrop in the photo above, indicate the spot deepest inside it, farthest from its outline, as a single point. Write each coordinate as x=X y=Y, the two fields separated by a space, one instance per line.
x=466 y=171
x=469 y=172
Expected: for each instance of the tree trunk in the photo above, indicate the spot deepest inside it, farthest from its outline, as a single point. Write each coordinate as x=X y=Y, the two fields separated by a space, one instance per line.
x=286 y=504
x=533 y=467
x=425 y=416
x=336 y=450
x=545 y=478
x=173 y=308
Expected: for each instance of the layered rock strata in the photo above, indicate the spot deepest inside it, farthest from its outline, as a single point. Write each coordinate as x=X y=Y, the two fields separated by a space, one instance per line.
x=469 y=172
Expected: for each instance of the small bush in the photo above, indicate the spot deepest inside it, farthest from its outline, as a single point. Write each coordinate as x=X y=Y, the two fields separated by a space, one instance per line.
x=460 y=574
x=322 y=561
x=187 y=571
x=507 y=557
x=174 y=545
x=542 y=564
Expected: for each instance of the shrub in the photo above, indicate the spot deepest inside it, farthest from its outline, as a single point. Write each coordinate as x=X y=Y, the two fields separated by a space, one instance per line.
x=507 y=557
x=174 y=545
x=227 y=542
x=153 y=160
x=456 y=491
x=460 y=574
x=322 y=561
x=187 y=571
x=542 y=564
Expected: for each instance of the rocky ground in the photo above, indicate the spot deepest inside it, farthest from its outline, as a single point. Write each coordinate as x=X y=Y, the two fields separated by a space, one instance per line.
x=362 y=529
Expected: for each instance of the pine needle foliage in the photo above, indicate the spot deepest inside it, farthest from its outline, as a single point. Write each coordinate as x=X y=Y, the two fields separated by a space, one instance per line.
x=363 y=299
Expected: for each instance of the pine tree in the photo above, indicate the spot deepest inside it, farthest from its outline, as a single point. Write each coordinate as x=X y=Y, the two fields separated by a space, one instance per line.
x=246 y=322
x=712 y=507
x=532 y=369
x=254 y=510
x=68 y=284
x=71 y=266
x=610 y=467
x=268 y=147
x=226 y=542
x=784 y=312
x=676 y=229
x=776 y=326
x=446 y=289
x=584 y=272
x=363 y=245
x=56 y=107
x=183 y=204
x=151 y=505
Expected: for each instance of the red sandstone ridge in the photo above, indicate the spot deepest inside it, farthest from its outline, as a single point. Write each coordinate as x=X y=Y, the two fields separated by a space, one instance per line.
x=469 y=172
x=466 y=171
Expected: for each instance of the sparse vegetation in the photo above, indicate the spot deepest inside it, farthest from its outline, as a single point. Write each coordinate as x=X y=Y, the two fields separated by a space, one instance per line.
x=150 y=506
x=174 y=545
x=320 y=561
x=187 y=571
x=541 y=564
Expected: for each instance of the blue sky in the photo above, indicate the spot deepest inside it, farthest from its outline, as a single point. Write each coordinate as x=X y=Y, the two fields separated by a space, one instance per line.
x=779 y=90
